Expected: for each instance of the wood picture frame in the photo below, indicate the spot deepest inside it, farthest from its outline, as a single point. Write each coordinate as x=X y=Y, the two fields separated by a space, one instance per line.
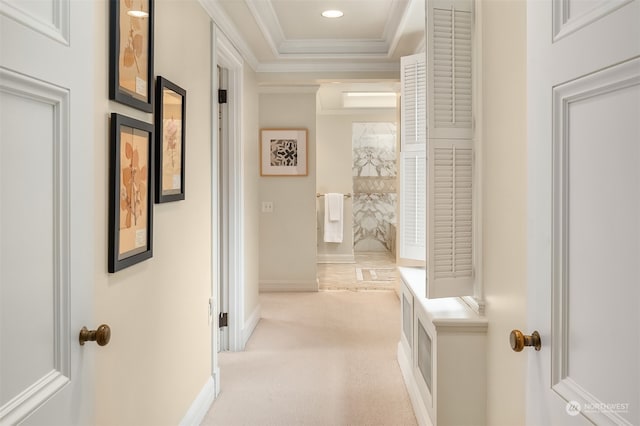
x=131 y=53
x=284 y=152
x=130 y=190
x=171 y=113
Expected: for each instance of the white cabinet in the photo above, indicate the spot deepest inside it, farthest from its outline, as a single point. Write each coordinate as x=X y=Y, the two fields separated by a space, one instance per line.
x=442 y=353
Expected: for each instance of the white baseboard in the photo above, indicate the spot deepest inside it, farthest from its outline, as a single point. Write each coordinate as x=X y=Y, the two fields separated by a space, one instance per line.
x=200 y=405
x=335 y=258
x=419 y=409
x=288 y=285
x=250 y=325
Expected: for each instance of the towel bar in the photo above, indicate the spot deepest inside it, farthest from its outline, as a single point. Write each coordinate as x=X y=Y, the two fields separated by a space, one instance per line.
x=318 y=195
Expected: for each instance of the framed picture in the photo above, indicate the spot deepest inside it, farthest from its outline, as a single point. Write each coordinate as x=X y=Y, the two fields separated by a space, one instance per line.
x=131 y=53
x=130 y=191
x=283 y=152
x=170 y=130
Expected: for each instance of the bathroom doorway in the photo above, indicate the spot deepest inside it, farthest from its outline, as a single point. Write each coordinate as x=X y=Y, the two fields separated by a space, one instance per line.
x=356 y=153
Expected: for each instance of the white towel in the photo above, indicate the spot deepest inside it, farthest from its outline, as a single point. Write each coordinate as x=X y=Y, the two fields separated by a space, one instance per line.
x=333 y=217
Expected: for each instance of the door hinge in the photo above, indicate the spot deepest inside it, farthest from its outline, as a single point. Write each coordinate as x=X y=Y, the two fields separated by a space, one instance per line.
x=223 y=320
x=222 y=96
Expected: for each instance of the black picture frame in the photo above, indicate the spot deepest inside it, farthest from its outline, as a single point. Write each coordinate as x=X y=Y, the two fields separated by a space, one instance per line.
x=131 y=58
x=131 y=181
x=170 y=120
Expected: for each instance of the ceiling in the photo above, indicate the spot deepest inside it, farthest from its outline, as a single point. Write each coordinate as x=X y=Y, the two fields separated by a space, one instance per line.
x=289 y=36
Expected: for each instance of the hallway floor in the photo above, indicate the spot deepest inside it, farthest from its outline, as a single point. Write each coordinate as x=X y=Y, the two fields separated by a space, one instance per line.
x=325 y=358
x=372 y=271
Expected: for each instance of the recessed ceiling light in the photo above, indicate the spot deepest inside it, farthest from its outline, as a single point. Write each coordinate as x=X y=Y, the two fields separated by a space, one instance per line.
x=332 y=13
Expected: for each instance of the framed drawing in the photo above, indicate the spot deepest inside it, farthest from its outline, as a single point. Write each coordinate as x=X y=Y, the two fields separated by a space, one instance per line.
x=130 y=189
x=131 y=53
x=283 y=152
x=171 y=103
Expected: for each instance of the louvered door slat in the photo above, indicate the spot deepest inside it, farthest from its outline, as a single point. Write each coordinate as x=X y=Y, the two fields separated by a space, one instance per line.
x=413 y=161
x=450 y=230
x=449 y=58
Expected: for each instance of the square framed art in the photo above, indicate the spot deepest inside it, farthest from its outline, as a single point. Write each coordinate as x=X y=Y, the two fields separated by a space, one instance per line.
x=283 y=152
x=130 y=192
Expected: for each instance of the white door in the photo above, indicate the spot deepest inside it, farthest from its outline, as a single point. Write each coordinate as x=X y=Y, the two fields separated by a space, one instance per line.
x=584 y=211
x=46 y=202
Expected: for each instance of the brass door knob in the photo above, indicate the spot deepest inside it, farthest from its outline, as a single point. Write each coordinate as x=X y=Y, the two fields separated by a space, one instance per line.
x=518 y=340
x=101 y=335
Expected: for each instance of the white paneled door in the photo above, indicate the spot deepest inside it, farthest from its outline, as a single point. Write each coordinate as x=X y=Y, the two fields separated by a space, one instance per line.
x=46 y=210
x=584 y=212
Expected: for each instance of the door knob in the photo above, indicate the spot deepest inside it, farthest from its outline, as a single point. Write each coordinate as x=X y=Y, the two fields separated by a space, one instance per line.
x=518 y=340
x=101 y=335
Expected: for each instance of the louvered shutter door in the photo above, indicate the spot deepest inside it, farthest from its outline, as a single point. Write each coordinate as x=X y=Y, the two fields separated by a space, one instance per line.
x=449 y=60
x=450 y=227
x=413 y=161
x=412 y=208
x=414 y=103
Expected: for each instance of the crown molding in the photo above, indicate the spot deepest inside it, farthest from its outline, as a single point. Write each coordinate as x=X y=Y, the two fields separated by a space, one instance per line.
x=323 y=54
x=268 y=22
x=222 y=21
x=280 y=89
x=399 y=29
x=277 y=67
x=395 y=24
x=331 y=48
x=265 y=15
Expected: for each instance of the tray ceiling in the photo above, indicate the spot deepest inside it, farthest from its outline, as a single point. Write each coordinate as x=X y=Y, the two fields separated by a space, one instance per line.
x=291 y=35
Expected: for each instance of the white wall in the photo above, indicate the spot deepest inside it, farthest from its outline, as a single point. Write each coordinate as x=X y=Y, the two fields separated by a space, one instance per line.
x=334 y=162
x=159 y=357
x=288 y=235
x=504 y=204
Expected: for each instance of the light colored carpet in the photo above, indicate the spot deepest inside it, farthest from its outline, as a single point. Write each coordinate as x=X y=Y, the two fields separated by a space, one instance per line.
x=326 y=358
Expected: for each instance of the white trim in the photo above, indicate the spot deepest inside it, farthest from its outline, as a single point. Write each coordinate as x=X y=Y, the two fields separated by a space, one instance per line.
x=330 y=67
x=288 y=286
x=43 y=388
x=419 y=409
x=621 y=76
x=335 y=258
x=228 y=57
x=216 y=381
x=250 y=325
x=201 y=405
x=280 y=89
x=564 y=24
x=226 y=26
x=267 y=20
x=332 y=47
x=57 y=29
x=476 y=303
x=215 y=258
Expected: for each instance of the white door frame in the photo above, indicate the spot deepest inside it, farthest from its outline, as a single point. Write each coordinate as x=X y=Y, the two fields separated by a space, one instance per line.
x=226 y=56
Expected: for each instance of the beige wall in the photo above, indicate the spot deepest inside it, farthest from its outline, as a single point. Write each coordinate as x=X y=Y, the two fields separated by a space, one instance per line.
x=288 y=235
x=504 y=204
x=159 y=357
x=334 y=170
x=251 y=209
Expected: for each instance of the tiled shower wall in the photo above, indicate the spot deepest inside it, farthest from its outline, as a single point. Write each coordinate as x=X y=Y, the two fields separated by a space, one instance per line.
x=374 y=186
